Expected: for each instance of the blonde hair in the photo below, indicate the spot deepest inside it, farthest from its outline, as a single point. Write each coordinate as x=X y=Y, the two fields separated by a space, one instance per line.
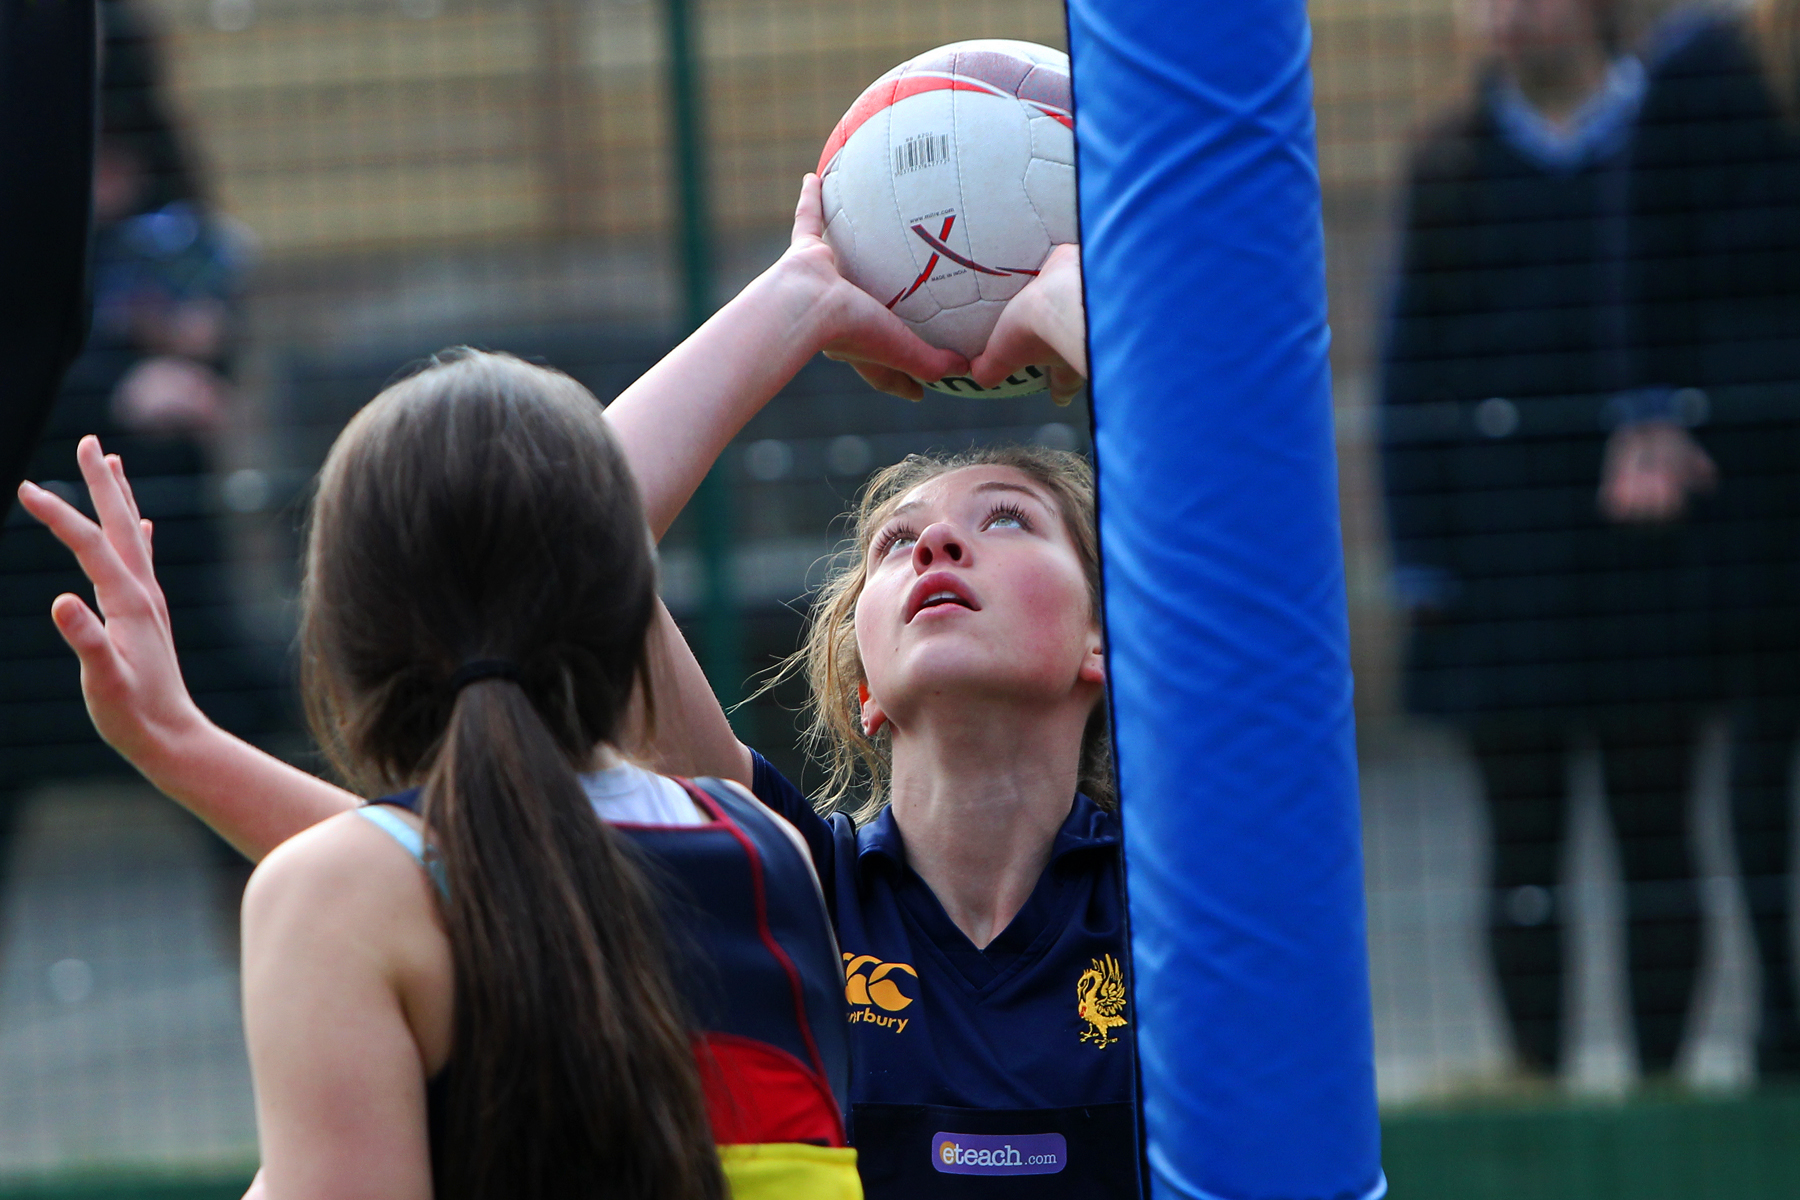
x=832 y=666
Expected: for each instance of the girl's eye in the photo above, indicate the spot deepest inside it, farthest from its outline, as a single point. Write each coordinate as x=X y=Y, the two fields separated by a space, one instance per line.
x=892 y=538
x=1007 y=517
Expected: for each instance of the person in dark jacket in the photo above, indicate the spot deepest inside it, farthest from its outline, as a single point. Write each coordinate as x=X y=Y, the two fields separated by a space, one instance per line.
x=1716 y=306
x=48 y=72
x=48 y=94
x=152 y=380
x=1544 y=611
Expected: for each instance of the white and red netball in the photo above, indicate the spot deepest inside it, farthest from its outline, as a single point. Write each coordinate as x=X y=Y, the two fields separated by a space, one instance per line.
x=946 y=185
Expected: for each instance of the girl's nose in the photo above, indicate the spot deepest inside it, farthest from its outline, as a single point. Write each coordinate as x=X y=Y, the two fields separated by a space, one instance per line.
x=938 y=546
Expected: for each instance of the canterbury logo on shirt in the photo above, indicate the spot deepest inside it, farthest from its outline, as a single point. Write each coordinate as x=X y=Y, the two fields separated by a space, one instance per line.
x=873 y=990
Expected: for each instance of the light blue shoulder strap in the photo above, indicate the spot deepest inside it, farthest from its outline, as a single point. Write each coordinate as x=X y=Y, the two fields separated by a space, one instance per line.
x=386 y=819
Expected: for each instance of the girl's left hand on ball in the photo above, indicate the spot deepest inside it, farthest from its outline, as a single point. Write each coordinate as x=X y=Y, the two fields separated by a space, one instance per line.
x=1044 y=325
x=857 y=329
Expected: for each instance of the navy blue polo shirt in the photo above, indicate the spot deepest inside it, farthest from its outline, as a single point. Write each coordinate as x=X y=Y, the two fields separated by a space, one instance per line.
x=996 y=1072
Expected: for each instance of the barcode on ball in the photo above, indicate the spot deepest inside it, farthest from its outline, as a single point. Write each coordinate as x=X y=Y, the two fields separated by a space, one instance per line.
x=924 y=150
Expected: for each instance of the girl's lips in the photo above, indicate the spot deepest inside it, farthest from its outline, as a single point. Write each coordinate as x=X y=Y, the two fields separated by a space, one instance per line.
x=939 y=589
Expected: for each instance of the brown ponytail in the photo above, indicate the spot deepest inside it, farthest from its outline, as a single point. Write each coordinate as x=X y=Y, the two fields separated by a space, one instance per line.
x=480 y=510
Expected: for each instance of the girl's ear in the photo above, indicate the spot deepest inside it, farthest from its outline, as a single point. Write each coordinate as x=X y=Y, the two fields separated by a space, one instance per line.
x=1093 y=663
x=872 y=716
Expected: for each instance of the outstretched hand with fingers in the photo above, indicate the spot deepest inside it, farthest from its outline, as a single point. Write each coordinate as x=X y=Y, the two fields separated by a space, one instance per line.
x=130 y=677
x=879 y=345
x=1044 y=325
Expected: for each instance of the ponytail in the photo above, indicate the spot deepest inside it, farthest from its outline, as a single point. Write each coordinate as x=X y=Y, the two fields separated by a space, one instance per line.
x=571 y=1068
x=481 y=510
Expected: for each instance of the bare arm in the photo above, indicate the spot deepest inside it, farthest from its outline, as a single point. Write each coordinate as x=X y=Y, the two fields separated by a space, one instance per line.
x=677 y=419
x=132 y=681
x=345 y=1016
x=673 y=423
x=688 y=733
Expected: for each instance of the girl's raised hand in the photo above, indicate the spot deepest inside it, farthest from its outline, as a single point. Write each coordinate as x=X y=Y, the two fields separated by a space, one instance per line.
x=859 y=331
x=129 y=673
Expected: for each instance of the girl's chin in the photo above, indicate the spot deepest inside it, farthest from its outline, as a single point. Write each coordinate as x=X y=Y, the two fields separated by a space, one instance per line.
x=944 y=676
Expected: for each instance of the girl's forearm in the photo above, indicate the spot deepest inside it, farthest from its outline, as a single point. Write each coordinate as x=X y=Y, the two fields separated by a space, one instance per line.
x=676 y=420
x=251 y=799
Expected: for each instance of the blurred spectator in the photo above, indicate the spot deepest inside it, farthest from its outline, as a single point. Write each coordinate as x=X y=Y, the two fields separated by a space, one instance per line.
x=1716 y=284
x=1545 y=610
x=151 y=382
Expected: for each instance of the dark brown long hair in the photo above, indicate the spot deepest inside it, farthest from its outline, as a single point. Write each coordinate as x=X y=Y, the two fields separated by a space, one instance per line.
x=480 y=510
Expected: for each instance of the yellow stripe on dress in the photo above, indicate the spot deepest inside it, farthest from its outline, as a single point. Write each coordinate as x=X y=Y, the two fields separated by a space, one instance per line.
x=790 y=1171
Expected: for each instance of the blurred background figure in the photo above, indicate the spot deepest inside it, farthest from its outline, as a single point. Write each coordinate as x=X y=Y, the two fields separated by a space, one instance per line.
x=152 y=381
x=1716 y=312
x=1546 y=609
x=48 y=90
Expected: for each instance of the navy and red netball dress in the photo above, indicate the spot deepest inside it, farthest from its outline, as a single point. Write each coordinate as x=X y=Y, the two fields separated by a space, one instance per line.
x=1001 y=1072
x=758 y=967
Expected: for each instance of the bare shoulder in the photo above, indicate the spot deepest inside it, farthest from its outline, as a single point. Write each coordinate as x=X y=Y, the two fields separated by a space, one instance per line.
x=343 y=917
x=345 y=864
x=347 y=1011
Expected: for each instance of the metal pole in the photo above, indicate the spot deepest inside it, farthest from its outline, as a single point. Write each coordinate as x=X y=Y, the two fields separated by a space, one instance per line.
x=721 y=641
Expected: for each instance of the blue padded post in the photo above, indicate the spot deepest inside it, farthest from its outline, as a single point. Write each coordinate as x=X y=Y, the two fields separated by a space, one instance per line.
x=1225 y=614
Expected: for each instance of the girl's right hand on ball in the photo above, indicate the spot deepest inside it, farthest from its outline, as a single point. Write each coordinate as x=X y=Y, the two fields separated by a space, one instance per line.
x=855 y=327
x=130 y=677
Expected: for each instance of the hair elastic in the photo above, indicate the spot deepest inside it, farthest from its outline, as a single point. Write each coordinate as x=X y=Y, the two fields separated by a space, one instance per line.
x=478 y=669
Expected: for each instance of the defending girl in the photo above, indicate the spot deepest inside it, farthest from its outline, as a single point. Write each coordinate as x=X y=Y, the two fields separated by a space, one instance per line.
x=466 y=989
x=956 y=660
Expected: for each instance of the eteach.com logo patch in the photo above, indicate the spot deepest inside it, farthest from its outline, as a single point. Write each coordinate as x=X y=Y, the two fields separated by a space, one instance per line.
x=999 y=1154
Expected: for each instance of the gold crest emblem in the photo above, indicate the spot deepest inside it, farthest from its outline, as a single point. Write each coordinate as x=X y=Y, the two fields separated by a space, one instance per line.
x=1100 y=1001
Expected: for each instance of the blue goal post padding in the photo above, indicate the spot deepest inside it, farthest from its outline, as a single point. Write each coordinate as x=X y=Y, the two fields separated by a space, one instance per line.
x=1225 y=610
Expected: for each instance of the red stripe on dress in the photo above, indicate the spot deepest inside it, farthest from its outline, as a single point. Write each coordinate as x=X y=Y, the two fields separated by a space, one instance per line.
x=762 y=923
x=756 y=1092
